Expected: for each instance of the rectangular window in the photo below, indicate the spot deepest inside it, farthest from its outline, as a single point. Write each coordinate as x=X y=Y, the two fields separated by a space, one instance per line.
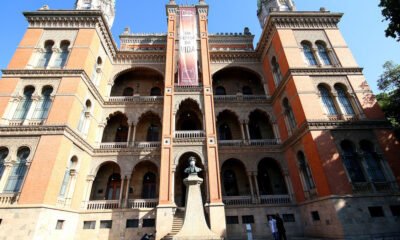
x=106 y=224
x=60 y=224
x=315 y=216
x=132 y=223
x=89 y=224
x=151 y=222
x=376 y=211
x=247 y=219
x=288 y=217
x=395 y=209
x=232 y=220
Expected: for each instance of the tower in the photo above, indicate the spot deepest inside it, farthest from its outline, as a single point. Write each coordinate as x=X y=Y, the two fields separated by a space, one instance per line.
x=264 y=7
x=106 y=6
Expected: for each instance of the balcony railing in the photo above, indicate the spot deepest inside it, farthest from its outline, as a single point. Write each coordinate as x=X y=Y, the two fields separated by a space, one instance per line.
x=258 y=142
x=188 y=88
x=142 y=203
x=264 y=142
x=237 y=200
x=275 y=199
x=375 y=187
x=190 y=134
x=231 y=143
x=240 y=97
x=102 y=204
x=113 y=145
x=147 y=144
x=120 y=99
x=7 y=199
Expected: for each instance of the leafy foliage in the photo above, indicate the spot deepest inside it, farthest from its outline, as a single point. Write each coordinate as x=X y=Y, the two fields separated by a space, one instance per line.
x=391 y=12
x=389 y=99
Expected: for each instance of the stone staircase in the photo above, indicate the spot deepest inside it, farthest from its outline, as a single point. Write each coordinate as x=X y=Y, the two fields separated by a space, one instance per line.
x=176 y=224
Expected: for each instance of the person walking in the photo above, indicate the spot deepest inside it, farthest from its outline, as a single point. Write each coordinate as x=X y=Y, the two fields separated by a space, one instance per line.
x=273 y=227
x=281 y=227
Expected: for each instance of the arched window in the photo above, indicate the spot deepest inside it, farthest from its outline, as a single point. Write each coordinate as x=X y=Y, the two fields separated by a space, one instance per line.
x=127 y=92
x=289 y=114
x=3 y=156
x=153 y=133
x=155 y=91
x=220 y=90
x=246 y=90
x=97 y=70
x=84 y=118
x=230 y=183
x=305 y=171
x=18 y=171
x=323 y=54
x=308 y=54
x=149 y=186
x=67 y=176
x=43 y=106
x=327 y=100
x=113 y=187
x=344 y=101
x=351 y=162
x=372 y=161
x=224 y=132
x=45 y=57
x=270 y=179
x=25 y=104
x=63 y=55
x=276 y=71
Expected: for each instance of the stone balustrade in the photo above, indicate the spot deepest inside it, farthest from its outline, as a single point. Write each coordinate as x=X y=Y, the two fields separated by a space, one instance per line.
x=264 y=142
x=240 y=97
x=142 y=203
x=113 y=145
x=257 y=142
x=7 y=199
x=264 y=199
x=147 y=144
x=275 y=199
x=190 y=134
x=102 y=204
x=140 y=99
x=188 y=88
x=237 y=200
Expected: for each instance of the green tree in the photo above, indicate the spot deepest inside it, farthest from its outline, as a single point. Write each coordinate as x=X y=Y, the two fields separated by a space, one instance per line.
x=391 y=12
x=389 y=99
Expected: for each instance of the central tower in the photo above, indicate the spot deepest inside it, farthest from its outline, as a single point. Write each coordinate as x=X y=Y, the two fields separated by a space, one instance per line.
x=188 y=117
x=106 y=6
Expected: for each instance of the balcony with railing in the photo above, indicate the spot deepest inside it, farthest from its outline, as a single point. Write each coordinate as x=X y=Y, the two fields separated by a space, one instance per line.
x=190 y=89
x=253 y=142
x=100 y=205
x=247 y=201
x=240 y=98
x=134 y=99
x=374 y=187
x=7 y=199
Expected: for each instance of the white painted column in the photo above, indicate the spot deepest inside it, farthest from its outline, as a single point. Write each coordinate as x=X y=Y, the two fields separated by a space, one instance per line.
x=70 y=187
x=89 y=184
x=100 y=133
x=251 y=186
x=128 y=139
x=254 y=174
x=6 y=173
x=133 y=134
x=242 y=131
x=31 y=110
x=172 y=197
x=121 y=191
x=128 y=180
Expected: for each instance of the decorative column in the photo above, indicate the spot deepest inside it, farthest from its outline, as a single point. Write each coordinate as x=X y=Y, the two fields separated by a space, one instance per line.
x=249 y=174
x=316 y=56
x=254 y=175
x=128 y=180
x=128 y=139
x=100 y=133
x=70 y=187
x=242 y=131
x=173 y=171
x=121 y=193
x=35 y=100
x=6 y=173
x=246 y=125
x=288 y=184
x=89 y=184
x=276 y=132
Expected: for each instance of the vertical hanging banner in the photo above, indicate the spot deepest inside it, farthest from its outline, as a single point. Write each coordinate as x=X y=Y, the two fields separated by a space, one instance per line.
x=188 y=72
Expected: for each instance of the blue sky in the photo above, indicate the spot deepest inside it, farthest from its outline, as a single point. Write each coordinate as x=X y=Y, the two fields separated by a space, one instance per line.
x=361 y=25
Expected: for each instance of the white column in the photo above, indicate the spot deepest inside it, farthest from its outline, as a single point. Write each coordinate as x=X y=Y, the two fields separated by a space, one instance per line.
x=128 y=180
x=242 y=131
x=121 y=191
x=276 y=132
x=101 y=128
x=133 y=134
x=251 y=186
x=172 y=197
x=254 y=174
x=128 y=139
x=316 y=56
x=246 y=124
x=89 y=184
x=70 y=187
x=31 y=110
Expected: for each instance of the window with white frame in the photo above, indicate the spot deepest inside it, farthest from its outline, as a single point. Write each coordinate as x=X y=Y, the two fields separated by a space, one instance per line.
x=62 y=56
x=43 y=106
x=289 y=115
x=309 y=54
x=85 y=117
x=327 y=100
x=18 y=171
x=323 y=53
x=67 y=176
x=305 y=171
x=45 y=56
x=276 y=71
x=344 y=101
x=25 y=104
x=96 y=75
x=3 y=155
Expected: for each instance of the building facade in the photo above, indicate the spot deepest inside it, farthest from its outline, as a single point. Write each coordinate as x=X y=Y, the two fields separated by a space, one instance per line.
x=94 y=138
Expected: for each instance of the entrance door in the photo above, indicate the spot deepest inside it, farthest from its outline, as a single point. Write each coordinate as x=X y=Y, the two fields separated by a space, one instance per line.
x=113 y=187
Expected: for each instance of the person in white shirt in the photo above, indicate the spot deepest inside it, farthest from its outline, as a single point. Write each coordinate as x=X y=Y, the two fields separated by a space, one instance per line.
x=273 y=227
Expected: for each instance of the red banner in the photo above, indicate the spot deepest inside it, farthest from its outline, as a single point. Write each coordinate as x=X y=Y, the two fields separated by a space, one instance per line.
x=188 y=72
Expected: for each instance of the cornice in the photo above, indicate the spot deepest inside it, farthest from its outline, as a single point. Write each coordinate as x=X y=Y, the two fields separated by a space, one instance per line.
x=73 y=19
x=295 y=20
x=325 y=71
x=151 y=56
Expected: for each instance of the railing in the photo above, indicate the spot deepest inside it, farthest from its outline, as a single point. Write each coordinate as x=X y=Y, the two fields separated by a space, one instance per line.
x=188 y=88
x=240 y=97
x=237 y=200
x=386 y=187
x=362 y=187
x=142 y=203
x=232 y=143
x=275 y=199
x=7 y=199
x=378 y=187
x=136 y=99
x=147 y=144
x=189 y=134
x=113 y=145
x=264 y=142
x=102 y=204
